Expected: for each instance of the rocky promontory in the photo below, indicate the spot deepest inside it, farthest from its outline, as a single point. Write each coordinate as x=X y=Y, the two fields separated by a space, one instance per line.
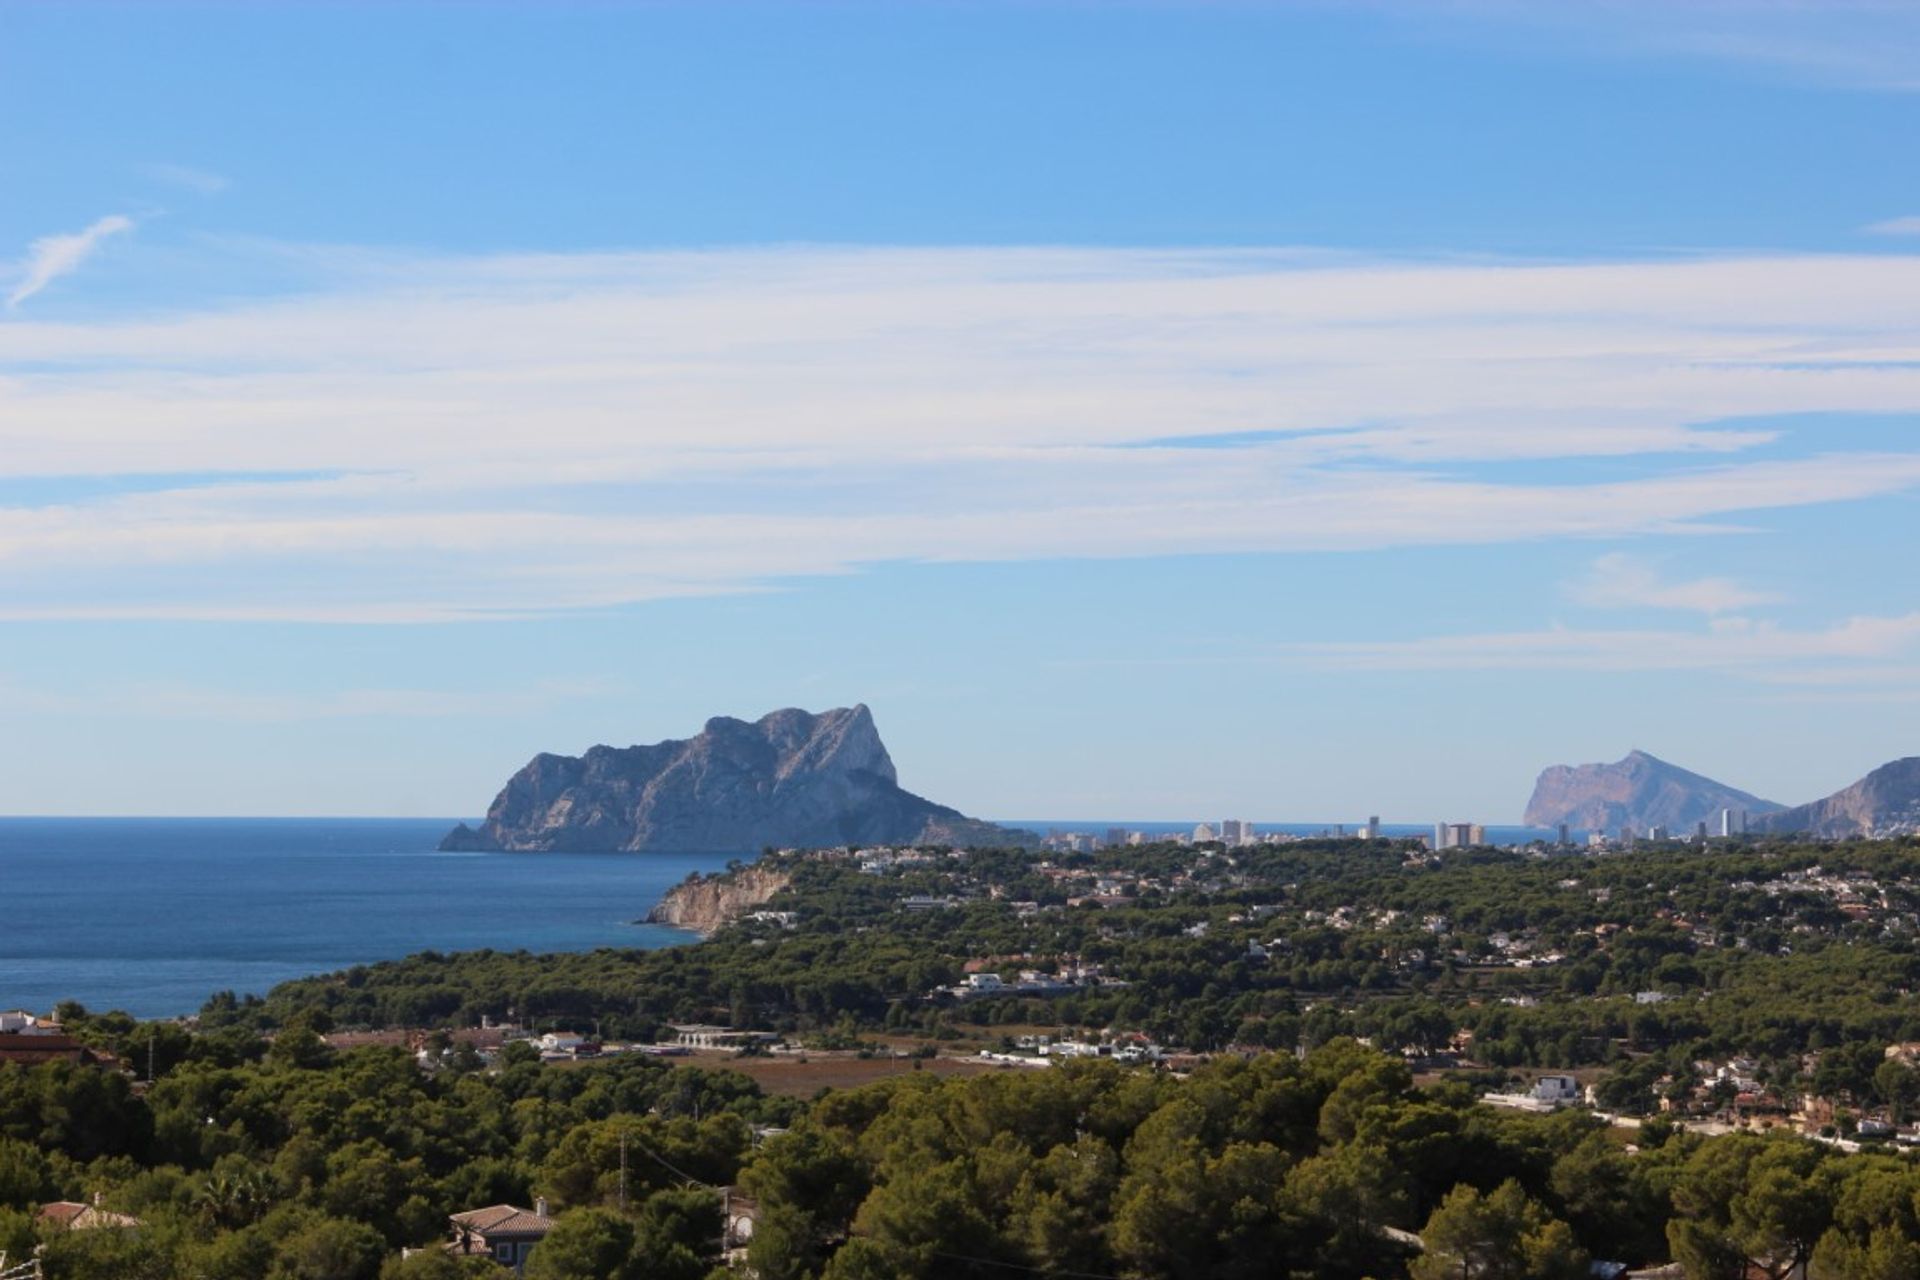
x=791 y=779
x=1639 y=791
x=704 y=903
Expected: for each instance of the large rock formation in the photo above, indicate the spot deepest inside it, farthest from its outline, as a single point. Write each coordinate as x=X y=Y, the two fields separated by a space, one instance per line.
x=790 y=779
x=1639 y=792
x=705 y=903
x=1884 y=803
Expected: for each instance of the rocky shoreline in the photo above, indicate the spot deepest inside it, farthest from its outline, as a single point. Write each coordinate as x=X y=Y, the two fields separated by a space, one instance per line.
x=706 y=903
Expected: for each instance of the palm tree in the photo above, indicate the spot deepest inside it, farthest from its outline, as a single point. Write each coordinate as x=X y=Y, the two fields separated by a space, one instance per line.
x=230 y=1200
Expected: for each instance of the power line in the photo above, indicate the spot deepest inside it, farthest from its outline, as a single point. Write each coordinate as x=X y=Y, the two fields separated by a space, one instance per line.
x=938 y=1253
x=1010 y=1266
x=676 y=1170
x=1021 y=1266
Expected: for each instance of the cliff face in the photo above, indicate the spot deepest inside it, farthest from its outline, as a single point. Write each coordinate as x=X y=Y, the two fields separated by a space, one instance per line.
x=790 y=779
x=1884 y=803
x=707 y=902
x=1639 y=792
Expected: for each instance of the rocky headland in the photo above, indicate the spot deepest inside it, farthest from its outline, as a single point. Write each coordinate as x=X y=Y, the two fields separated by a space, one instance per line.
x=705 y=903
x=791 y=779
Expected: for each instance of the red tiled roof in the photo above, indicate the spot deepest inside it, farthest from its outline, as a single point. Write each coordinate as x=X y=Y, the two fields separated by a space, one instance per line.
x=41 y=1048
x=504 y=1220
x=81 y=1217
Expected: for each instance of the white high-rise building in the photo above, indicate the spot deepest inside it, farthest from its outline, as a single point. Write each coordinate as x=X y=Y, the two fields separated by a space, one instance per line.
x=1373 y=827
x=1235 y=832
x=1204 y=833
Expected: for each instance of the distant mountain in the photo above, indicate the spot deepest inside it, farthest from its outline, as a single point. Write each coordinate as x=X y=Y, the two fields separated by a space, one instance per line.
x=790 y=779
x=1639 y=791
x=1884 y=803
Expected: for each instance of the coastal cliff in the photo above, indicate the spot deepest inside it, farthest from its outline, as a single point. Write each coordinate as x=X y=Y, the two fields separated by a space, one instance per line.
x=704 y=903
x=791 y=779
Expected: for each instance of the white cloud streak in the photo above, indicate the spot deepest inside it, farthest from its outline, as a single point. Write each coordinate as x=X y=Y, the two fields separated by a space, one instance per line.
x=1619 y=580
x=187 y=178
x=199 y=703
x=1756 y=650
x=1895 y=227
x=525 y=434
x=51 y=257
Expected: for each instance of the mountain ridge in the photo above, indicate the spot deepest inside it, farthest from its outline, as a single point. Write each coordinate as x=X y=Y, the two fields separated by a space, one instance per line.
x=1886 y=802
x=1638 y=791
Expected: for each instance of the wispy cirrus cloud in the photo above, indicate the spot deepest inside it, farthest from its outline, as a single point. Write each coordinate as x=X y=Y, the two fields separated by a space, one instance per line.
x=1909 y=226
x=1760 y=651
x=187 y=178
x=201 y=703
x=51 y=257
x=1619 y=580
x=465 y=438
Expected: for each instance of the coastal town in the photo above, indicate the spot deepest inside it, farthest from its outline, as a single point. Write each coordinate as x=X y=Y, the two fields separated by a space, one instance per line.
x=1650 y=939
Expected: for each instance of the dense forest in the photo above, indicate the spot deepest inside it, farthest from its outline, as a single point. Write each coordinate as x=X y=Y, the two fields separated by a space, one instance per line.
x=289 y=1161
x=1283 y=1145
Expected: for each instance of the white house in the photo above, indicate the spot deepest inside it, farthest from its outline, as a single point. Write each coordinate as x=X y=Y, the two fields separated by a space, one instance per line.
x=1556 y=1090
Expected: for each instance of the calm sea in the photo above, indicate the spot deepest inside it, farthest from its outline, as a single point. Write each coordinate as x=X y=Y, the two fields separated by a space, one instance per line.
x=154 y=915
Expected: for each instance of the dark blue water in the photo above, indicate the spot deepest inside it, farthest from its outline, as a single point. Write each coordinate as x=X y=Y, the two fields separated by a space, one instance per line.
x=154 y=915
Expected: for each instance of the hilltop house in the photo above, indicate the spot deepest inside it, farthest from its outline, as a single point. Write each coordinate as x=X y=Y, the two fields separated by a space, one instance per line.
x=18 y=1022
x=30 y=1040
x=72 y=1215
x=504 y=1232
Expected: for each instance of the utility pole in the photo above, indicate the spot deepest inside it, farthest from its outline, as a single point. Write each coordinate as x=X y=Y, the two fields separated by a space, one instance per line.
x=623 y=1171
x=153 y=1033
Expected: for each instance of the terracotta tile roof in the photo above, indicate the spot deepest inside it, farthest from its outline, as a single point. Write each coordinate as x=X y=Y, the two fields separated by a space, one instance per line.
x=504 y=1220
x=43 y=1048
x=75 y=1216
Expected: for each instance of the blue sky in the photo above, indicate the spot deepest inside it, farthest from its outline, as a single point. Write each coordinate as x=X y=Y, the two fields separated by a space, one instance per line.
x=1152 y=411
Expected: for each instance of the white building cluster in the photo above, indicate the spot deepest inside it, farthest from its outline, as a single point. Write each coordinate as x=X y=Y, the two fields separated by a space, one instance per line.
x=1458 y=835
